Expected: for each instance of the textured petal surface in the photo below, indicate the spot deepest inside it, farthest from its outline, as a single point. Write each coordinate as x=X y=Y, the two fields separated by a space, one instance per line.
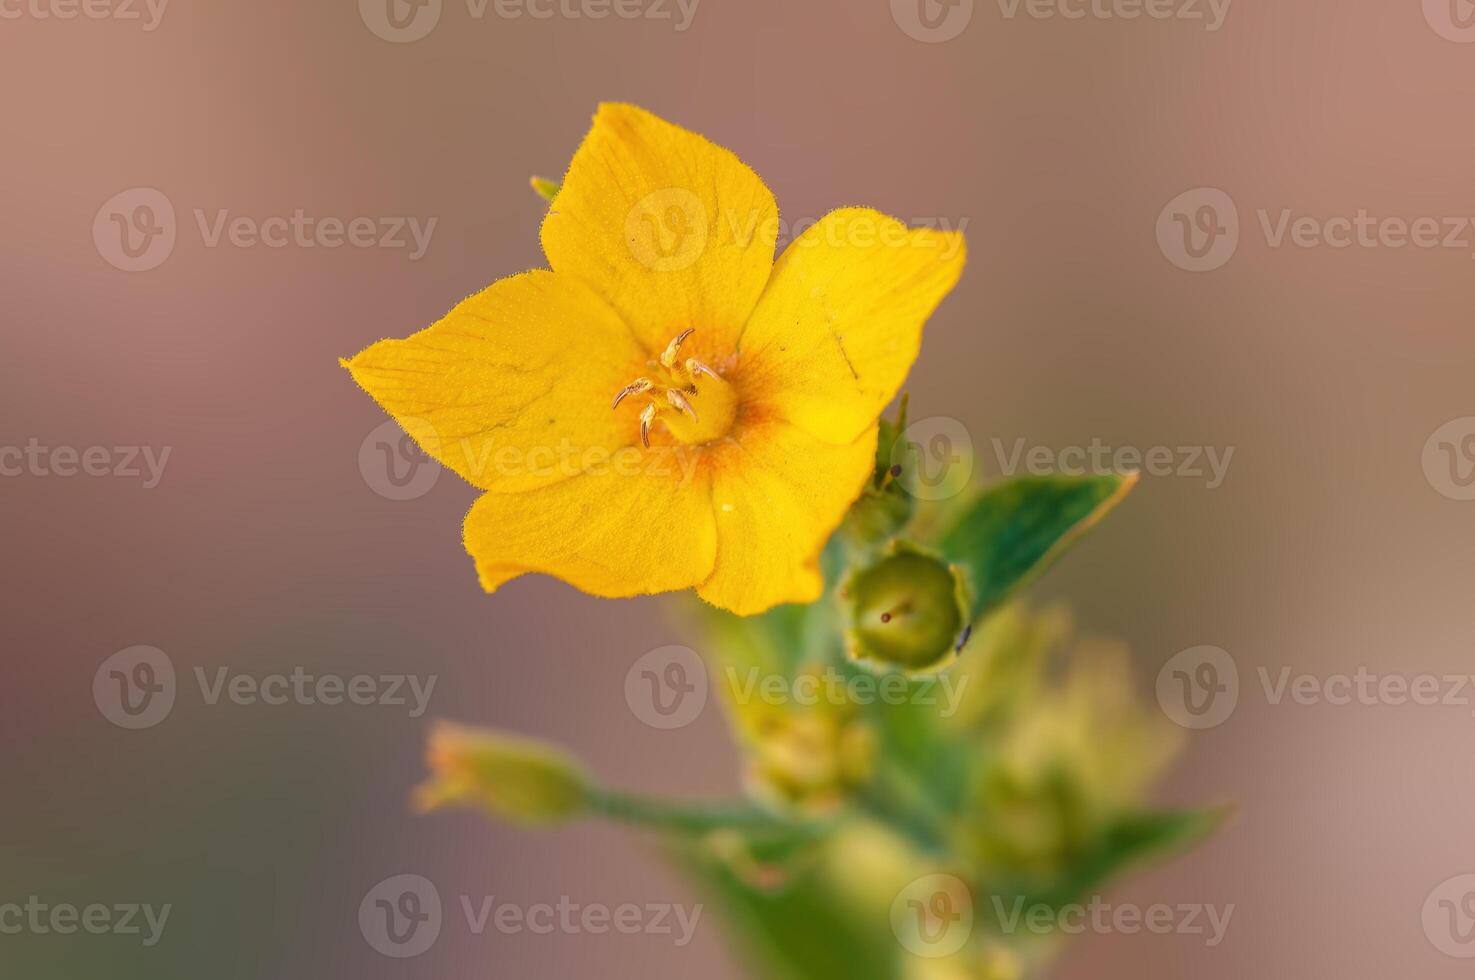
x=610 y=532
x=512 y=388
x=778 y=493
x=673 y=230
x=840 y=324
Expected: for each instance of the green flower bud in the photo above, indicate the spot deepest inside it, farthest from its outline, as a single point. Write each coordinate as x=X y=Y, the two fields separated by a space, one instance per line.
x=545 y=188
x=520 y=780
x=906 y=611
x=878 y=513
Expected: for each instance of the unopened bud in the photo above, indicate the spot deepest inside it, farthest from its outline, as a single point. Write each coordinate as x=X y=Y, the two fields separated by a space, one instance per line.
x=517 y=779
x=906 y=611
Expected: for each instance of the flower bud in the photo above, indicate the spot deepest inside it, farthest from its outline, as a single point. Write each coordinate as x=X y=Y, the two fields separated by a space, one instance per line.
x=811 y=759
x=878 y=513
x=517 y=779
x=906 y=611
x=545 y=188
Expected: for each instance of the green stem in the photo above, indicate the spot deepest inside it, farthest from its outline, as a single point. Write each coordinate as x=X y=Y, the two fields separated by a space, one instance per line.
x=687 y=818
x=903 y=806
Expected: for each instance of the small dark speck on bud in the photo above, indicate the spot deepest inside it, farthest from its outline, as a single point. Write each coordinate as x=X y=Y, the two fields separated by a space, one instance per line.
x=896 y=469
x=967 y=632
x=885 y=617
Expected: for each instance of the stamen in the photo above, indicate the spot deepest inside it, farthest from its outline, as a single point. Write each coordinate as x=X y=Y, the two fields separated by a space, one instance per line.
x=682 y=386
x=668 y=357
x=695 y=367
x=646 y=418
x=635 y=387
x=677 y=399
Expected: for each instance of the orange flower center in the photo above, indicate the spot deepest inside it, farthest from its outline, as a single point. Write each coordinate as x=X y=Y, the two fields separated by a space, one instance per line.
x=690 y=399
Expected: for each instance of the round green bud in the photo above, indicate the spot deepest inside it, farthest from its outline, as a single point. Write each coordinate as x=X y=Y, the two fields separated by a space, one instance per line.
x=906 y=611
x=878 y=514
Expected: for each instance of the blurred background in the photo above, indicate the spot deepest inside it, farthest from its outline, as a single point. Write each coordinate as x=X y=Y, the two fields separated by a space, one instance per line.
x=1102 y=305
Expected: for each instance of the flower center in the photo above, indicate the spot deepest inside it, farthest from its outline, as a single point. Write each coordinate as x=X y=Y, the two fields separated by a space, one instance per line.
x=690 y=399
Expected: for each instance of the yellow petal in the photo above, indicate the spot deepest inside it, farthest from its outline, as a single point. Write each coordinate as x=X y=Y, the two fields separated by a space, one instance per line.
x=641 y=524
x=837 y=329
x=673 y=230
x=778 y=493
x=512 y=388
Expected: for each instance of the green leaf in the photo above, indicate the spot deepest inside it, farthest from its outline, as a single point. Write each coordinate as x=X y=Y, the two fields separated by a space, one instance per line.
x=1017 y=528
x=1132 y=841
x=802 y=930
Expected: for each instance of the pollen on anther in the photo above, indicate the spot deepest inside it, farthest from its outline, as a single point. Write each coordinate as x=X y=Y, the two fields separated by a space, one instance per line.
x=635 y=387
x=678 y=400
x=647 y=416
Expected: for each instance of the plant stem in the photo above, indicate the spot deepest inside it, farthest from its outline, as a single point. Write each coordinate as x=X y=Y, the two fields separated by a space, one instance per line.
x=692 y=818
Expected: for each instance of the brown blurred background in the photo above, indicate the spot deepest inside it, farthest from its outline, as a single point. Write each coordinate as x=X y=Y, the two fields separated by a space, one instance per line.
x=265 y=547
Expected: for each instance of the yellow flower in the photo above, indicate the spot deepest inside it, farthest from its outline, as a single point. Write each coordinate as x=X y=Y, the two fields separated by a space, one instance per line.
x=745 y=391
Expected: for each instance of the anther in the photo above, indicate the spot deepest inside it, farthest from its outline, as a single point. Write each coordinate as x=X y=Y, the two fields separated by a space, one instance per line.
x=646 y=418
x=668 y=357
x=677 y=399
x=695 y=367
x=633 y=388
